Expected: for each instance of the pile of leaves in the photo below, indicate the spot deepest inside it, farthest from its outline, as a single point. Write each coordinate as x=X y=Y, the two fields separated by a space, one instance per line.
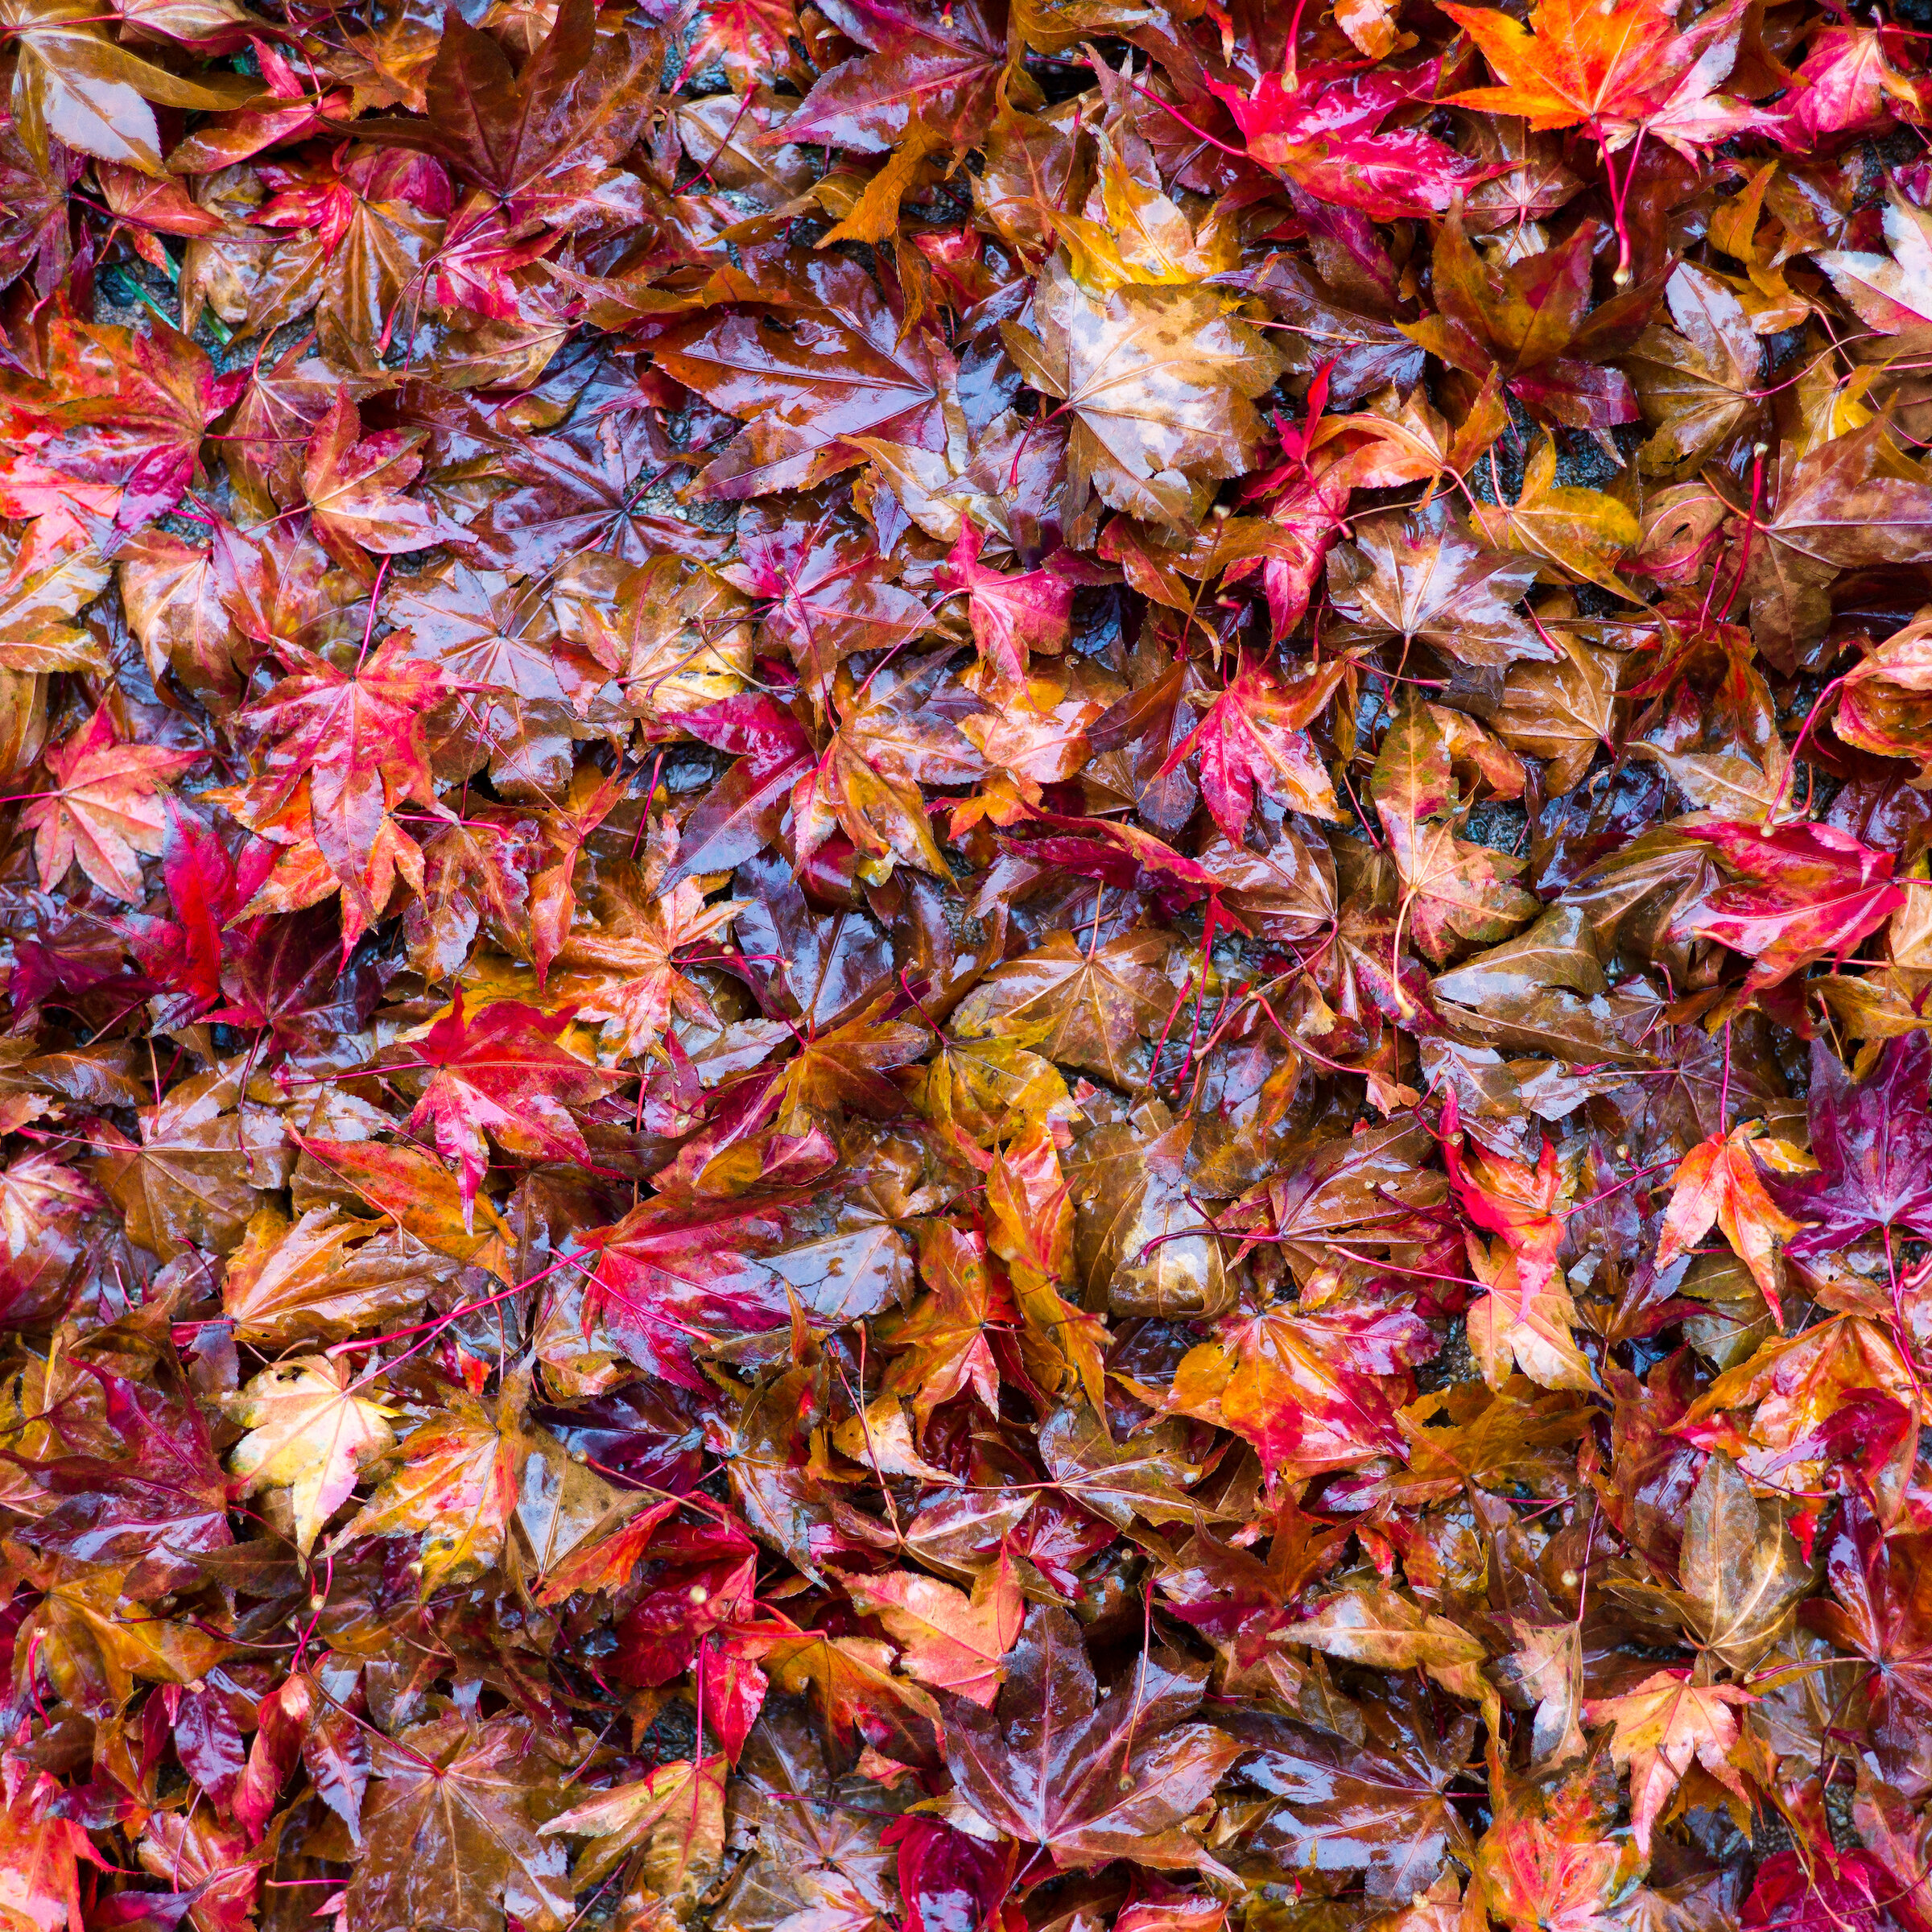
x=966 y=967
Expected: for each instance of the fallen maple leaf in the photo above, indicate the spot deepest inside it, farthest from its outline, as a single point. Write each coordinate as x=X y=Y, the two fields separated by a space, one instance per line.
x=43 y=1851
x=1613 y=70
x=1660 y=1727
x=952 y=1641
x=1251 y=738
x=675 y=1816
x=502 y=1075
x=1158 y=383
x=106 y=808
x=452 y=1827
x=310 y=1433
x=1321 y=127
x=1581 y=534
x=1872 y=1141
x=1720 y=1181
x=1011 y=616
x=355 y=487
x=454 y=1484
x=1052 y=1767
x=1808 y=891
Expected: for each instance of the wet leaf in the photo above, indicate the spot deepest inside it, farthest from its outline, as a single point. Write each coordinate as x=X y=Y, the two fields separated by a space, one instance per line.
x=948 y=944
x=309 y=1433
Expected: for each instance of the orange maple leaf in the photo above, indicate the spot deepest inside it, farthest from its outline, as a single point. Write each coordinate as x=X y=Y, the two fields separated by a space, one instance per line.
x=1662 y=1725
x=1718 y=1181
x=1612 y=66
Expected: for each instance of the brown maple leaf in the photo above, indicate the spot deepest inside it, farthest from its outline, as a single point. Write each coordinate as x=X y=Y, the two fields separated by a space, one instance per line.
x=1082 y=1779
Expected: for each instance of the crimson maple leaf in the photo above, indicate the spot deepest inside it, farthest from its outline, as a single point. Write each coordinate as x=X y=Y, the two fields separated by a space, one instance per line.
x=482 y=248
x=1011 y=616
x=107 y=805
x=1847 y=82
x=343 y=749
x=749 y=36
x=113 y=425
x=1807 y=891
x=1304 y=1389
x=829 y=593
x=1319 y=125
x=1872 y=1141
x=1252 y=737
x=501 y=1074
x=1857 y=1890
x=675 y=1275
x=1525 y=1206
x=1880 y=1610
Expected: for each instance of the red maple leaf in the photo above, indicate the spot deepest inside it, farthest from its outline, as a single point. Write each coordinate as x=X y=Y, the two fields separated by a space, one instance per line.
x=502 y=1076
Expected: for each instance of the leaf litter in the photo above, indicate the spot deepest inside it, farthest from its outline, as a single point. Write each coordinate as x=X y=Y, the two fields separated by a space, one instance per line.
x=966 y=967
